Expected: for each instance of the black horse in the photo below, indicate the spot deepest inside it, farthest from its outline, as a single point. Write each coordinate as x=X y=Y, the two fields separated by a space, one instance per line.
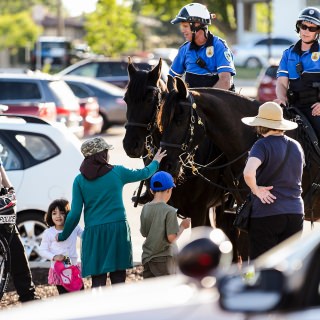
x=194 y=197
x=187 y=116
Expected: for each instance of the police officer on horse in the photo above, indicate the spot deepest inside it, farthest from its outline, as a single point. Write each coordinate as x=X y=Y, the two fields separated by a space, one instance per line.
x=298 y=76
x=205 y=59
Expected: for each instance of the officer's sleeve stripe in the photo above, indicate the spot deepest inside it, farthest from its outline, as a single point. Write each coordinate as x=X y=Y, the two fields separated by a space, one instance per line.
x=282 y=71
x=176 y=74
x=225 y=67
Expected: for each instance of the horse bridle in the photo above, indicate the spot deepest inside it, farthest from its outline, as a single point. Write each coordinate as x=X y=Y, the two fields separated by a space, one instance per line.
x=186 y=145
x=152 y=125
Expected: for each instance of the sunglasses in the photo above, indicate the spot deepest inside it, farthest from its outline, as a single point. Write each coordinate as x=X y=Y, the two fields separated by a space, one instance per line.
x=311 y=29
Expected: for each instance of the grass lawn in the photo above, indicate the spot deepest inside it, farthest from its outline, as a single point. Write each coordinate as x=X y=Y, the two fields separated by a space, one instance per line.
x=246 y=73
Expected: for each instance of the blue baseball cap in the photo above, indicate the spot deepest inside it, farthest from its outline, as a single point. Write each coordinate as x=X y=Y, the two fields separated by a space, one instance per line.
x=161 y=181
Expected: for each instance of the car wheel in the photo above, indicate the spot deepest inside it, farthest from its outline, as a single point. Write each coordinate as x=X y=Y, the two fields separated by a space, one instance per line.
x=253 y=63
x=106 y=123
x=31 y=226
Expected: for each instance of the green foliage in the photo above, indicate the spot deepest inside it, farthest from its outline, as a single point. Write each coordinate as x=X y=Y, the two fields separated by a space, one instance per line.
x=167 y=10
x=16 y=6
x=110 y=28
x=17 y=31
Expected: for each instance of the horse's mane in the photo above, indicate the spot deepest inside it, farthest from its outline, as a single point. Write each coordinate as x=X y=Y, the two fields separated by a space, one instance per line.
x=167 y=109
x=137 y=86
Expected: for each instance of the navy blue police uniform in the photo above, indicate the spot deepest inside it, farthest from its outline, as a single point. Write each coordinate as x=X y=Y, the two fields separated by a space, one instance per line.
x=202 y=64
x=302 y=68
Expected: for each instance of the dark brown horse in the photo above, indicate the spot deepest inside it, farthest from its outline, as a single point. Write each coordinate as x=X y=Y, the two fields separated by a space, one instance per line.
x=194 y=197
x=187 y=116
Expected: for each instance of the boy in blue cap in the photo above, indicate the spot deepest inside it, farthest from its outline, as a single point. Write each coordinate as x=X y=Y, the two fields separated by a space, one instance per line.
x=159 y=225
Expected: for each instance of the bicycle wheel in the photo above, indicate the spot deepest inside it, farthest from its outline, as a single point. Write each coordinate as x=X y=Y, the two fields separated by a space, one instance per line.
x=4 y=265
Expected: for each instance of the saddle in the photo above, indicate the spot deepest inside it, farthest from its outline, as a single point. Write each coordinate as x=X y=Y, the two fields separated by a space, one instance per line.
x=305 y=129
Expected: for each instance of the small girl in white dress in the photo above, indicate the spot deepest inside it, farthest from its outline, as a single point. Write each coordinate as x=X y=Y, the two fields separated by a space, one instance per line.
x=59 y=251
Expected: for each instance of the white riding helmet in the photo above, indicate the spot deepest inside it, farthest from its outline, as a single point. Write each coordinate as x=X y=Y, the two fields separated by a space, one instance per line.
x=193 y=12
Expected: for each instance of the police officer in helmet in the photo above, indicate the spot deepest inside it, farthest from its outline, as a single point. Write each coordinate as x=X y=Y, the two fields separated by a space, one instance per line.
x=205 y=59
x=298 y=76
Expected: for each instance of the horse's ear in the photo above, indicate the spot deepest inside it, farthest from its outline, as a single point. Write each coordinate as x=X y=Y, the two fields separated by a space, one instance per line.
x=131 y=68
x=182 y=88
x=171 y=83
x=155 y=73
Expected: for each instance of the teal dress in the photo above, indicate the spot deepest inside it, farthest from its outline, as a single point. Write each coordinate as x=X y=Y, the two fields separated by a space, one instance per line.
x=106 y=240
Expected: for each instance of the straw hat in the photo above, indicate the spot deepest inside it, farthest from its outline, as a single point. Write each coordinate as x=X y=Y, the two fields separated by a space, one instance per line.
x=270 y=115
x=94 y=145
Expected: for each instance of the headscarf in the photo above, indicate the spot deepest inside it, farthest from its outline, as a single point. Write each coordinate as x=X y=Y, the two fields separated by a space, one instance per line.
x=96 y=165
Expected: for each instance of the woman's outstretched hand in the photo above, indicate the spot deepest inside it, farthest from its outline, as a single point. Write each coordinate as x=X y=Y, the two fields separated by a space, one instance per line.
x=159 y=155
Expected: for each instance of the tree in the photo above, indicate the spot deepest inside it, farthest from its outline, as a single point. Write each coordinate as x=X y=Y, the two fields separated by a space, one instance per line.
x=110 y=28
x=11 y=7
x=17 y=31
x=225 y=11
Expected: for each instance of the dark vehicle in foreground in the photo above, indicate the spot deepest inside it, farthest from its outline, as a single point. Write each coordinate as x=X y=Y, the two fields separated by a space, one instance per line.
x=111 y=70
x=282 y=284
x=41 y=95
x=110 y=98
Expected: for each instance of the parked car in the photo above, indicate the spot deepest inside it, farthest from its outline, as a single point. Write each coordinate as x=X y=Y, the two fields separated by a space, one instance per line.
x=110 y=98
x=89 y=111
x=256 y=54
x=111 y=70
x=266 y=83
x=284 y=285
x=168 y=54
x=41 y=95
x=41 y=160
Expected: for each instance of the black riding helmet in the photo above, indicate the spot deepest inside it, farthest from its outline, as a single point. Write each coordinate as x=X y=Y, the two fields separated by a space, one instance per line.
x=309 y=14
x=194 y=13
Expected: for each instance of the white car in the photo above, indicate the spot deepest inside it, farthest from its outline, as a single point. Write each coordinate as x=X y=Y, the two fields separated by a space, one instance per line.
x=41 y=160
x=256 y=53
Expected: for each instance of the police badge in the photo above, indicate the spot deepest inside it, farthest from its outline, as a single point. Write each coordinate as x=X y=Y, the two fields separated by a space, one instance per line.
x=209 y=51
x=315 y=56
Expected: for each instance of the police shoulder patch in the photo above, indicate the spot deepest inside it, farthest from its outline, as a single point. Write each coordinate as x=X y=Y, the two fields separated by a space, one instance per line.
x=227 y=55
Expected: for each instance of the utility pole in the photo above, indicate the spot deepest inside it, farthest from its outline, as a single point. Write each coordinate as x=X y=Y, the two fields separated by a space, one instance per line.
x=60 y=26
x=269 y=29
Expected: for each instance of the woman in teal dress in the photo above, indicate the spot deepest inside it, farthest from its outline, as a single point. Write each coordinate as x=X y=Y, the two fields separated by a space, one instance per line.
x=106 y=240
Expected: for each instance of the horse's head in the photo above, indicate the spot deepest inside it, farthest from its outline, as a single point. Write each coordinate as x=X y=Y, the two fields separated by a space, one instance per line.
x=181 y=127
x=143 y=98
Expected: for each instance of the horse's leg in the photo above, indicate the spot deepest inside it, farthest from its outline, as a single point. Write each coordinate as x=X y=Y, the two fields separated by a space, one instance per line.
x=200 y=216
x=224 y=220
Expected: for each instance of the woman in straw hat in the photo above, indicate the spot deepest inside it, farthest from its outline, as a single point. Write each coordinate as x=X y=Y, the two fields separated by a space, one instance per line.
x=278 y=210
x=106 y=241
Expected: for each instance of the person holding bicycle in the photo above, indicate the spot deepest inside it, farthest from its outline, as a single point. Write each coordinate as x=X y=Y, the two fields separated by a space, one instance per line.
x=20 y=269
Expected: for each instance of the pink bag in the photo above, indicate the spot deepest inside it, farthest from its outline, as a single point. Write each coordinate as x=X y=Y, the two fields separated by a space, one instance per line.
x=70 y=276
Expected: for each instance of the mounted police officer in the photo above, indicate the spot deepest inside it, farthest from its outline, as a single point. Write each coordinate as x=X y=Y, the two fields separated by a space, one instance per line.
x=205 y=59
x=298 y=77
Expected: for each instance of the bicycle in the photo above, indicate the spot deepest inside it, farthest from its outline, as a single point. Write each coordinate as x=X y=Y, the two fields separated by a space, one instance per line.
x=8 y=216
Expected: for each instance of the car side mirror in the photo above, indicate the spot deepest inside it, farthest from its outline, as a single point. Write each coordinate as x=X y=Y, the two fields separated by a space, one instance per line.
x=262 y=293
